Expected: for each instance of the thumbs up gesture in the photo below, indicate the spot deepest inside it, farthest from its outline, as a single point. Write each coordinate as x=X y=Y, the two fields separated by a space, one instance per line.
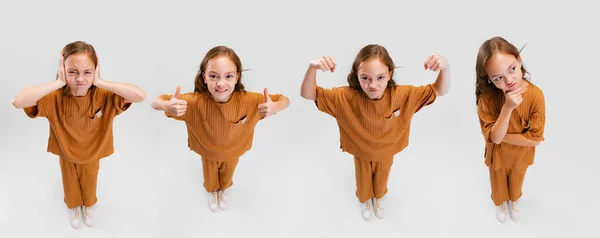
x=268 y=108
x=176 y=106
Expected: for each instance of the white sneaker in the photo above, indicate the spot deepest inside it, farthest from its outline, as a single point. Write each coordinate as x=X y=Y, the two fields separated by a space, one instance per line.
x=377 y=209
x=501 y=212
x=88 y=217
x=513 y=210
x=366 y=209
x=74 y=217
x=222 y=200
x=212 y=201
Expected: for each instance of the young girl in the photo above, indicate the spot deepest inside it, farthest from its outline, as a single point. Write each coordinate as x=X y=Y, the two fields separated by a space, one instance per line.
x=373 y=114
x=220 y=117
x=80 y=108
x=512 y=117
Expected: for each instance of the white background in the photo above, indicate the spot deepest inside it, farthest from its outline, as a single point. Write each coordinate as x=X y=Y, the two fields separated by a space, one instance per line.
x=295 y=182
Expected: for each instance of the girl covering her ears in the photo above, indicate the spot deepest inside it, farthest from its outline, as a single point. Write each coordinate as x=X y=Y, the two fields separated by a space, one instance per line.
x=220 y=117
x=80 y=108
x=373 y=114
x=512 y=117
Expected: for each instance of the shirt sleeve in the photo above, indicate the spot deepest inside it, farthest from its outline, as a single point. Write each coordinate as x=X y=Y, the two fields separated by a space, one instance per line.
x=118 y=102
x=43 y=106
x=327 y=100
x=421 y=96
x=487 y=118
x=537 y=119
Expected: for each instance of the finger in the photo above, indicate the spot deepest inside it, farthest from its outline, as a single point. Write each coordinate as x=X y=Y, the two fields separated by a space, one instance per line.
x=324 y=63
x=329 y=62
x=267 y=97
x=177 y=91
x=321 y=66
x=427 y=61
x=434 y=65
x=432 y=61
x=334 y=63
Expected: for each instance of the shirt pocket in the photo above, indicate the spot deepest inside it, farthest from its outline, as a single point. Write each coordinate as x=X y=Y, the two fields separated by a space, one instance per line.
x=97 y=119
x=396 y=120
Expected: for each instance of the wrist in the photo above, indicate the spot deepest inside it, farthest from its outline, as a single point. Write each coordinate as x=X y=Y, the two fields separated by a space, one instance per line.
x=507 y=108
x=99 y=84
x=59 y=84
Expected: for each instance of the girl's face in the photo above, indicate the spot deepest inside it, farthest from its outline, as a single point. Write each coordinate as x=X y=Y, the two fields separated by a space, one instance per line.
x=79 y=70
x=221 y=77
x=373 y=76
x=504 y=70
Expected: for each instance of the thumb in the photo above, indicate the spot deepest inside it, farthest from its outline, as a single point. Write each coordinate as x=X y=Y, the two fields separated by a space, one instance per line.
x=268 y=99
x=177 y=91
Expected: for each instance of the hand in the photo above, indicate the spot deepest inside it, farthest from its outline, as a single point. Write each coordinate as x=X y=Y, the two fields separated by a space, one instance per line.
x=435 y=63
x=176 y=106
x=513 y=98
x=325 y=63
x=60 y=75
x=267 y=109
x=97 y=75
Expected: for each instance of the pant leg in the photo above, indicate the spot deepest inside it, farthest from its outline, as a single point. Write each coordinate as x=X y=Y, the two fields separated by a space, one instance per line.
x=515 y=183
x=381 y=174
x=71 y=186
x=226 y=170
x=88 y=179
x=364 y=179
x=499 y=184
x=210 y=172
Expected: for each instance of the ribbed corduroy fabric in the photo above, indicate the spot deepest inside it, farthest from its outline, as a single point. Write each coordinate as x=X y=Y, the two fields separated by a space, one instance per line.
x=79 y=183
x=80 y=127
x=221 y=131
x=371 y=178
x=507 y=162
x=218 y=175
x=528 y=118
x=374 y=129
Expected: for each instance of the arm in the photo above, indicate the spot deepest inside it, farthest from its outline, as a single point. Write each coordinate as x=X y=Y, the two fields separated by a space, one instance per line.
x=173 y=106
x=519 y=139
x=130 y=92
x=281 y=104
x=159 y=104
x=270 y=107
x=442 y=83
x=309 y=85
x=439 y=63
x=29 y=96
x=499 y=129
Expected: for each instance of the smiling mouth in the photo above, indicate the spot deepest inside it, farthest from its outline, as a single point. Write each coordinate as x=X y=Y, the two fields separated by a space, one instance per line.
x=221 y=90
